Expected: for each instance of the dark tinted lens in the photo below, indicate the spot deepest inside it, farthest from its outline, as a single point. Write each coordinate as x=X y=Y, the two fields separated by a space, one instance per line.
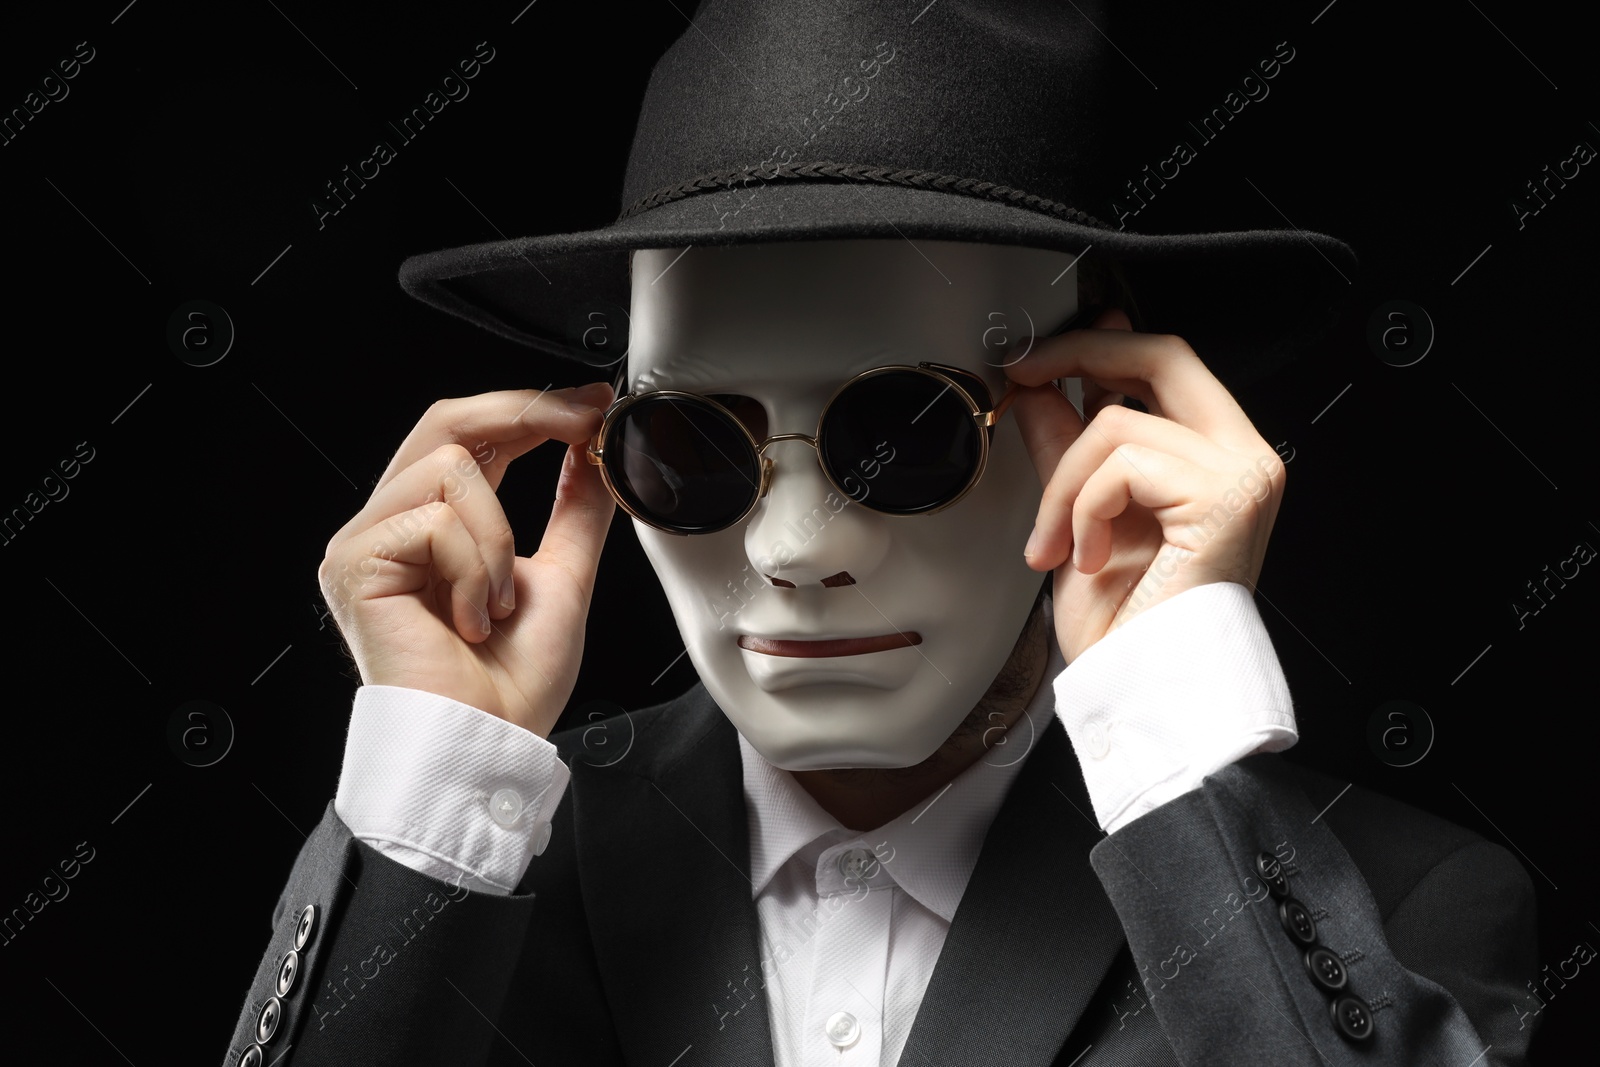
x=901 y=442
x=684 y=464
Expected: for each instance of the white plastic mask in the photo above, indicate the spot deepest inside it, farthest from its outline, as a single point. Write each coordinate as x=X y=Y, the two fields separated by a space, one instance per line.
x=787 y=324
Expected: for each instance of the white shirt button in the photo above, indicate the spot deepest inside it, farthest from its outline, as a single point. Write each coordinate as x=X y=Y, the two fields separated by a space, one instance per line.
x=505 y=806
x=1096 y=742
x=857 y=865
x=543 y=840
x=843 y=1029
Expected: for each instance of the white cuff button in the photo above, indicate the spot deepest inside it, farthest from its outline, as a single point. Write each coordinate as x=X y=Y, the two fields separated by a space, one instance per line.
x=1096 y=742
x=505 y=807
x=542 y=842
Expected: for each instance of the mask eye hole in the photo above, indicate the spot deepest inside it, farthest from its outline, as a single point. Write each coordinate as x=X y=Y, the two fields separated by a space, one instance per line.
x=747 y=410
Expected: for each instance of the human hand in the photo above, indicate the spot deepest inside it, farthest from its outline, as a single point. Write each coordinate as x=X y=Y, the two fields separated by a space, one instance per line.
x=1139 y=507
x=425 y=583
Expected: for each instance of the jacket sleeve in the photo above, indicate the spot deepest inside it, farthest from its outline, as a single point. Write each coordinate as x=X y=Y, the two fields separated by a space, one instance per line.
x=373 y=962
x=1260 y=941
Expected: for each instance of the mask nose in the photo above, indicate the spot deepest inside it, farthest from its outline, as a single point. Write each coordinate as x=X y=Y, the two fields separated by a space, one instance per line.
x=804 y=530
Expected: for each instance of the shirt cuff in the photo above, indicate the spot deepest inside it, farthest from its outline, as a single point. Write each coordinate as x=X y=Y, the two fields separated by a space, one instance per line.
x=446 y=788
x=1174 y=695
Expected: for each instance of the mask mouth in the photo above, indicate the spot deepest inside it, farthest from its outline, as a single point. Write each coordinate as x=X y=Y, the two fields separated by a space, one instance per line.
x=828 y=647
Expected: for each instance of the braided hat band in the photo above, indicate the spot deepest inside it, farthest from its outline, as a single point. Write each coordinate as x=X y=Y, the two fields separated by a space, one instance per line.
x=858 y=172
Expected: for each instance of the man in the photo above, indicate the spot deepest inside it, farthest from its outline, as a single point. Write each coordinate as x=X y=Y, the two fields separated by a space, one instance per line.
x=859 y=873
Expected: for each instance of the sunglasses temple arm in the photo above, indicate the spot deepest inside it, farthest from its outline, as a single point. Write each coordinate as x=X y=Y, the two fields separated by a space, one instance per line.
x=1005 y=402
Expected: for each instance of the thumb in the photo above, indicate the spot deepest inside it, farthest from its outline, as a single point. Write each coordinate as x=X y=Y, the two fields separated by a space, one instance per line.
x=579 y=520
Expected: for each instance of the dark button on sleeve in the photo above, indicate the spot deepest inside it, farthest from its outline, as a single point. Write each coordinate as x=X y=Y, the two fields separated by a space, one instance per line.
x=267 y=1022
x=308 y=922
x=1297 y=921
x=1271 y=872
x=287 y=970
x=252 y=1057
x=1353 y=1017
x=1326 y=970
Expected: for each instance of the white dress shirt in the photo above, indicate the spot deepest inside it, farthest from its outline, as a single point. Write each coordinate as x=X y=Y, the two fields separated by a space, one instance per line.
x=851 y=923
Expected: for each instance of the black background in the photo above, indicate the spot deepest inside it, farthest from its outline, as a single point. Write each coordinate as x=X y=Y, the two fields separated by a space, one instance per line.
x=183 y=561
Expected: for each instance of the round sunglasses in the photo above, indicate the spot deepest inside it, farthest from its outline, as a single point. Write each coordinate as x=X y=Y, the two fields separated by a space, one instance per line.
x=900 y=440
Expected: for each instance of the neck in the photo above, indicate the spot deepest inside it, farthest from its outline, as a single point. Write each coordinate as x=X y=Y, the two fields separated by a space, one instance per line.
x=865 y=798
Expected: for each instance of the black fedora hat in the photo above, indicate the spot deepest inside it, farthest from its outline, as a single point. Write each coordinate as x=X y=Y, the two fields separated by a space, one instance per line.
x=818 y=119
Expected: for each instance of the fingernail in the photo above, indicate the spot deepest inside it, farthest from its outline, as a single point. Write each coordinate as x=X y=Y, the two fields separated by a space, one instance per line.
x=1032 y=547
x=487 y=625
x=508 y=593
x=577 y=397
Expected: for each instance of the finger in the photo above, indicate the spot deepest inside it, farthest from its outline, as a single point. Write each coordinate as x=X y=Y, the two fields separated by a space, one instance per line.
x=1135 y=473
x=579 y=520
x=402 y=554
x=1195 y=506
x=1096 y=398
x=498 y=427
x=450 y=473
x=1112 y=431
x=1112 y=319
x=1160 y=370
x=1049 y=425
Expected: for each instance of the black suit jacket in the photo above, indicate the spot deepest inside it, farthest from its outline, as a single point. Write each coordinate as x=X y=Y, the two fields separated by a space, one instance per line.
x=633 y=939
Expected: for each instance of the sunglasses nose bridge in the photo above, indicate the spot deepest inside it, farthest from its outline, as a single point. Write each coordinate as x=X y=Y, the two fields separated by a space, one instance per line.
x=767 y=463
x=775 y=438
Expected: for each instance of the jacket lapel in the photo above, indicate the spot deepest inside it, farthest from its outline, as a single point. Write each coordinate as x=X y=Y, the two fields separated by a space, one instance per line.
x=1034 y=935
x=1031 y=942
x=663 y=859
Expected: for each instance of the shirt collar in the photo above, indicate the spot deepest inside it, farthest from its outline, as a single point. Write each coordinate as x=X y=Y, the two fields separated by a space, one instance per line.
x=935 y=844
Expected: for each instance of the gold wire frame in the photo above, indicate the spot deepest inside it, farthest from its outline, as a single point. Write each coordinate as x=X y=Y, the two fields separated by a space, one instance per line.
x=986 y=419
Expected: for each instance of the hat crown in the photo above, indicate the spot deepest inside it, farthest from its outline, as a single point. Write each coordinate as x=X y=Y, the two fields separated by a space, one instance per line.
x=1015 y=93
x=1003 y=121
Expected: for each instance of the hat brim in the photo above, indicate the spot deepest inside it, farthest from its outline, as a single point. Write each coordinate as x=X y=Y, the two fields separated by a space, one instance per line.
x=1247 y=301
